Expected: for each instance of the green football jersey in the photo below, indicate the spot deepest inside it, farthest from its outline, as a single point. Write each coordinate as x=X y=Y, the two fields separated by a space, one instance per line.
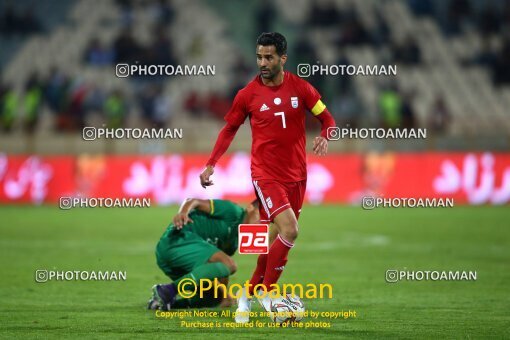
x=219 y=228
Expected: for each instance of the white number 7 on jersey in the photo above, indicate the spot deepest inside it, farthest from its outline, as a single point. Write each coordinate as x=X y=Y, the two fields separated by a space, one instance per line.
x=283 y=118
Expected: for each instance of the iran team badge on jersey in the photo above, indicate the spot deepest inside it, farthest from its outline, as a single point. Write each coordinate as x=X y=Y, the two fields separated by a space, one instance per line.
x=253 y=239
x=294 y=102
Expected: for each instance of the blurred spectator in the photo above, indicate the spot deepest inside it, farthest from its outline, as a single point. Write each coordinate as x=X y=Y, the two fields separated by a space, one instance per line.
x=323 y=14
x=440 y=116
x=407 y=52
x=304 y=51
x=408 y=116
x=156 y=106
x=486 y=56
x=344 y=82
x=161 y=12
x=487 y=18
x=55 y=92
x=421 y=7
x=32 y=103
x=505 y=17
x=381 y=33
x=126 y=12
x=193 y=104
x=243 y=72
x=488 y=21
x=115 y=110
x=97 y=54
x=265 y=15
x=29 y=23
x=160 y=51
x=146 y=102
x=218 y=105
x=126 y=48
x=8 y=107
x=346 y=108
x=196 y=48
x=458 y=13
x=72 y=117
x=94 y=101
x=162 y=108
x=71 y=100
x=390 y=108
x=9 y=22
x=352 y=31
x=501 y=68
x=12 y=22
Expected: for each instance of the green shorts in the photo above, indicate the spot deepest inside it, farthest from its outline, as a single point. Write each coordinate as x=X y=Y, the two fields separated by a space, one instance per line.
x=179 y=252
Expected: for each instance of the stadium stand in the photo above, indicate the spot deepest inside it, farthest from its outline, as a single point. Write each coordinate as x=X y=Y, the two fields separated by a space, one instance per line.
x=58 y=73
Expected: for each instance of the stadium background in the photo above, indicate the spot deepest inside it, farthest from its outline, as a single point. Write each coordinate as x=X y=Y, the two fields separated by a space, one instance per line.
x=57 y=62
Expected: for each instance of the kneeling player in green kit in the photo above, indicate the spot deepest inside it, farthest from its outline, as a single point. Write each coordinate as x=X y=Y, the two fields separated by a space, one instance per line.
x=198 y=245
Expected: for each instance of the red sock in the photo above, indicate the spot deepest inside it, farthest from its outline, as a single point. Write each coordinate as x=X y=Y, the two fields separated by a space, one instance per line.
x=258 y=273
x=276 y=260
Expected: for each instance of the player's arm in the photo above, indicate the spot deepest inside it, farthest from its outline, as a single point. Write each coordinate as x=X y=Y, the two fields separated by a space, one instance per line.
x=234 y=118
x=224 y=140
x=314 y=103
x=319 y=111
x=182 y=217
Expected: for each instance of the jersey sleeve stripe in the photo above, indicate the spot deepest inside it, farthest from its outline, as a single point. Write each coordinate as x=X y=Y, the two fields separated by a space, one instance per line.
x=318 y=108
x=212 y=206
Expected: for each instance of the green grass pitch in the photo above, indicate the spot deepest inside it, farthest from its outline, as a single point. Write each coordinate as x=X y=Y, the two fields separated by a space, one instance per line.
x=345 y=246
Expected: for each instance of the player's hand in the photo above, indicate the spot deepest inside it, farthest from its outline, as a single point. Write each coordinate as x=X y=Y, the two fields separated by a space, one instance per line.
x=204 y=176
x=320 y=146
x=181 y=219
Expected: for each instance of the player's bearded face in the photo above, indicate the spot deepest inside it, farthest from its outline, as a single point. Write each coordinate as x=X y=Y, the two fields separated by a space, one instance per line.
x=269 y=62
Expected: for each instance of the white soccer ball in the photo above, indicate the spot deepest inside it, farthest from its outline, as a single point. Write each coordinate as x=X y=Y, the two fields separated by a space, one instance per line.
x=288 y=308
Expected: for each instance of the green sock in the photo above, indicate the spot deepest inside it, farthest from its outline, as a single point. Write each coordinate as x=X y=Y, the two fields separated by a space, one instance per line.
x=206 y=271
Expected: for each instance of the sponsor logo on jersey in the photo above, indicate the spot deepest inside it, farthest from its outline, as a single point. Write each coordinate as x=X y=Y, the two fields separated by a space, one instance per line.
x=277 y=101
x=294 y=102
x=264 y=107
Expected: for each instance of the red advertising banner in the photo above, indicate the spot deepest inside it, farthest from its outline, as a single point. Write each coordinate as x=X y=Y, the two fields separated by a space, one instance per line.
x=469 y=178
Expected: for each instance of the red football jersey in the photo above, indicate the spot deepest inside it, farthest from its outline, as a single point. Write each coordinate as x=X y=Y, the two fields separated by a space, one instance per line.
x=277 y=119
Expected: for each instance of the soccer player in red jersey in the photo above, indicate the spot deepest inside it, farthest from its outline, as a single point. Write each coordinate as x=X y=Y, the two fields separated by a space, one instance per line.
x=276 y=102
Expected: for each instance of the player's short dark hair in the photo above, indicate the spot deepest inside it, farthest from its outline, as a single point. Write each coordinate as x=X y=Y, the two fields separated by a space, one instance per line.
x=275 y=39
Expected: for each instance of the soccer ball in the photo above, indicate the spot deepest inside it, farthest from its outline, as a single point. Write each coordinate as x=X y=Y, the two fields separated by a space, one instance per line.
x=288 y=308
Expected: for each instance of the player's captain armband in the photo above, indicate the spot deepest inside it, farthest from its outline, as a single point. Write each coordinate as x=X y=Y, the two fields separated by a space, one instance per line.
x=318 y=108
x=212 y=206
